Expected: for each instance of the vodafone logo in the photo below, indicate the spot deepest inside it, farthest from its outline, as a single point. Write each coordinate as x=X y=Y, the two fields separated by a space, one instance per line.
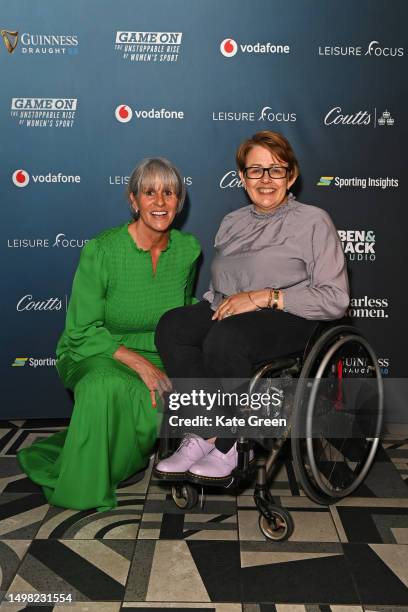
x=228 y=47
x=123 y=113
x=21 y=178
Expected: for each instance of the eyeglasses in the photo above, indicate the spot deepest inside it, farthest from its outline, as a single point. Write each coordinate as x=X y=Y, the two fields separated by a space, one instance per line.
x=275 y=172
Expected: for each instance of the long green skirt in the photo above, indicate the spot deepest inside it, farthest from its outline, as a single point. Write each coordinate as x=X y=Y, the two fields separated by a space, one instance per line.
x=112 y=432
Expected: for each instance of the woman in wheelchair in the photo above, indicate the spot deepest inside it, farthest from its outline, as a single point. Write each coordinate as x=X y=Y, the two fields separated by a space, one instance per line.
x=278 y=269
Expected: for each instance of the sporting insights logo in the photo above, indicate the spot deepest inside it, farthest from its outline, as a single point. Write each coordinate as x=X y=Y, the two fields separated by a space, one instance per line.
x=21 y=178
x=149 y=46
x=125 y=113
x=20 y=362
x=229 y=47
x=44 y=112
x=358 y=182
x=358 y=245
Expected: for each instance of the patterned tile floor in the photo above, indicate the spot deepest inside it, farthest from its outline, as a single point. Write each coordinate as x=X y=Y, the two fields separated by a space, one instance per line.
x=149 y=555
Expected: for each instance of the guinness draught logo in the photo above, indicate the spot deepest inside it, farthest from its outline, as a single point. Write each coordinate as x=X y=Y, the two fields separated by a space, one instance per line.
x=10 y=39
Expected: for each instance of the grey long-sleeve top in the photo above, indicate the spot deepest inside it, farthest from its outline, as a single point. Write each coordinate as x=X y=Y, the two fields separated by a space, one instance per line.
x=294 y=248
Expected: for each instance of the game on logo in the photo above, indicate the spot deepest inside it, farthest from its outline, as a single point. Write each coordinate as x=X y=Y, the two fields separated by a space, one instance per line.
x=325 y=181
x=20 y=178
x=10 y=39
x=123 y=113
x=19 y=362
x=228 y=47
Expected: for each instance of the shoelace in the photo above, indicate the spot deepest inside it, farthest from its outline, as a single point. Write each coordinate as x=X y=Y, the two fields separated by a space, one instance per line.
x=186 y=441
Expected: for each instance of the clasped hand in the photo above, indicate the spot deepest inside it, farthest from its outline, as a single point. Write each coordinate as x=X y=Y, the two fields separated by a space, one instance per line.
x=239 y=303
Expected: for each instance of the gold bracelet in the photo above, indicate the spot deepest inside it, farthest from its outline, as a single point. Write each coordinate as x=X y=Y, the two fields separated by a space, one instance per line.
x=254 y=303
x=269 y=304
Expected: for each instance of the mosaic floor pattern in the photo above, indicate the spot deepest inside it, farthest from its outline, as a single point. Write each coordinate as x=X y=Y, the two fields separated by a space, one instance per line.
x=147 y=554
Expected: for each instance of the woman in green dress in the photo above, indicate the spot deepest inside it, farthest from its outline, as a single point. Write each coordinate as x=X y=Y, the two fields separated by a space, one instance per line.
x=126 y=279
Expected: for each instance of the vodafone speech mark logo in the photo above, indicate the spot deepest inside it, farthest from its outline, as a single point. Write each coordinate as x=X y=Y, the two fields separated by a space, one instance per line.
x=123 y=113
x=21 y=178
x=228 y=47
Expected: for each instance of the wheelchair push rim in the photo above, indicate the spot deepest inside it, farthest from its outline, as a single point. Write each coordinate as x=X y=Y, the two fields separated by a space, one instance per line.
x=305 y=445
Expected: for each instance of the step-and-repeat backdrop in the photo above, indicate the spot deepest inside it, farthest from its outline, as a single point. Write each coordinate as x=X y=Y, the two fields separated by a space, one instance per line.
x=88 y=89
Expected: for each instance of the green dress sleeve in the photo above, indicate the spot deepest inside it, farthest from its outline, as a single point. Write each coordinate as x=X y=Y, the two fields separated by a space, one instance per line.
x=85 y=334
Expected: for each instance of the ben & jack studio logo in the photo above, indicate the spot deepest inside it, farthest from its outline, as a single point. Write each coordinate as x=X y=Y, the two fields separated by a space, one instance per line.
x=33 y=362
x=266 y=114
x=229 y=47
x=60 y=241
x=368 y=308
x=149 y=46
x=10 y=39
x=373 y=49
x=28 y=303
x=361 y=118
x=358 y=245
x=125 y=113
x=358 y=182
x=44 y=112
x=21 y=178
x=120 y=179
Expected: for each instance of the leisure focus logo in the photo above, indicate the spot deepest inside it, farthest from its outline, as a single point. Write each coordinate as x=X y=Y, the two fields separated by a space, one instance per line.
x=21 y=178
x=358 y=182
x=148 y=46
x=122 y=179
x=358 y=245
x=125 y=113
x=230 y=47
x=266 y=114
x=44 y=112
x=59 y=241
x=360 y=118
x=373 y=49
x=10 y=39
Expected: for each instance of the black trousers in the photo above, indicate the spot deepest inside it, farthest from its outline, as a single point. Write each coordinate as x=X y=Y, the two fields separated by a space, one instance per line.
x=191 y=345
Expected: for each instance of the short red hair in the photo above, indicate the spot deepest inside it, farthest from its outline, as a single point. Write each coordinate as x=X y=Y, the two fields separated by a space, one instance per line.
x=277 y=144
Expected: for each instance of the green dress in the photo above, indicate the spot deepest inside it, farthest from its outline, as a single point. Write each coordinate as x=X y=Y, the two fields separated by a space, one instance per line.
x=116 y=300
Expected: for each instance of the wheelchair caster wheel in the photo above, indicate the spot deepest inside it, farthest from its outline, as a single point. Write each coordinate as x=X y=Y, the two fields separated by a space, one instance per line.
x=184 y=496
x=280 y=527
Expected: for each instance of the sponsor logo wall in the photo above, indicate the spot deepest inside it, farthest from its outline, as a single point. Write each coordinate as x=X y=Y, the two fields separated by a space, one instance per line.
x=86 y=96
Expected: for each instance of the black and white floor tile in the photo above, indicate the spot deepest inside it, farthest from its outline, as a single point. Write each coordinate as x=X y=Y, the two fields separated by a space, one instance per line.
x=147 y=554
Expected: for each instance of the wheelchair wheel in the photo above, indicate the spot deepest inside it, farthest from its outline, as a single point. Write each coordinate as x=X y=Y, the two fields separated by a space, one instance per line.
x=279 y=527
x=337 y=417
x=184 y=496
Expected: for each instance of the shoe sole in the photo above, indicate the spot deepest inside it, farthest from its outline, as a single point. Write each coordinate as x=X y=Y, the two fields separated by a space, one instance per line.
x=217 y=481
x=169 y=476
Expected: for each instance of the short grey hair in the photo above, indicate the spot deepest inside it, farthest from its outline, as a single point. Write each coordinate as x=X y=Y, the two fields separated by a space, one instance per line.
x=152 y=170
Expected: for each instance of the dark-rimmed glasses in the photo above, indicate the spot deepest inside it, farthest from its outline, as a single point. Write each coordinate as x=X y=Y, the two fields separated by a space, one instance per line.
x=275 y=172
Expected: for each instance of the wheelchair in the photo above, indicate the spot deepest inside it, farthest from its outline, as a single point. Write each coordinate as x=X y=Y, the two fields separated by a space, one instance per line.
x=332 y=395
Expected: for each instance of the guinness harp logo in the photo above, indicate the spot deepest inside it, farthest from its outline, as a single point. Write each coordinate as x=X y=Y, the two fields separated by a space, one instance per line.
x=10 y=39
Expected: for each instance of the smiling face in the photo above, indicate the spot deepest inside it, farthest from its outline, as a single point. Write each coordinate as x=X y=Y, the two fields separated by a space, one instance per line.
x=265 y=193
x=157 y=206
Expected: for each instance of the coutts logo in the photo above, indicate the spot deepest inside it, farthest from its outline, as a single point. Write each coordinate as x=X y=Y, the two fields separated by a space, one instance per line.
x=336 y=116
x=230 y=179
x=27 y=303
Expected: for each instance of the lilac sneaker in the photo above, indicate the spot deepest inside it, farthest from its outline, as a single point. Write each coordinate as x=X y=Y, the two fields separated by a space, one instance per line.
x=192 y=449
x=216 y=466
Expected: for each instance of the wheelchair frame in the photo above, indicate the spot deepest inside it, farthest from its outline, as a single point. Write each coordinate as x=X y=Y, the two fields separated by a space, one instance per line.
x=275 y=522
